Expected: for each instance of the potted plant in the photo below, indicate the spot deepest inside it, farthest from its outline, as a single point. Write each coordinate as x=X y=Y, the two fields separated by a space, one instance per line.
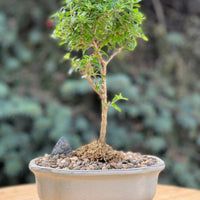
x=100 y=29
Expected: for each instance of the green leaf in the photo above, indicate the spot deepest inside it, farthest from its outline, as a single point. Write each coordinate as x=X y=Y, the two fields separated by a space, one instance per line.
x=67 y=56
x=102 y=75
x=96 y=56
x=145 y=38
x=101 y=81
x=119 y=97
x=116 y=107
x=105 y=53
x=97 y=88
x=97 y=74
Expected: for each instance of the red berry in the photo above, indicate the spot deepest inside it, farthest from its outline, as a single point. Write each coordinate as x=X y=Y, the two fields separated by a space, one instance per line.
x=49 y=23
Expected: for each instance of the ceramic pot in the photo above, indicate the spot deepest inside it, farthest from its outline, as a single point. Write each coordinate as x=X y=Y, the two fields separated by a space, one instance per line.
x=122 y=184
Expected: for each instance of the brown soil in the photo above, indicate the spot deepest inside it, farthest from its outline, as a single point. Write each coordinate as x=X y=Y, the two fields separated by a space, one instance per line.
x=97 y=151
x=96 y=156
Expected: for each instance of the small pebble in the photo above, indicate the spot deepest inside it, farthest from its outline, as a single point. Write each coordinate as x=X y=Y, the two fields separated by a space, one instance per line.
x=86 y=160
x=119 y=165
x=70 y=162
x=104 y=168
x=91 y=167
x=77 y=168
x=74 y=158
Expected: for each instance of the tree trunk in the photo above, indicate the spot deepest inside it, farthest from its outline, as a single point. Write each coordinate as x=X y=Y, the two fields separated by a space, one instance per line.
x=102 y=137
x=104 y=113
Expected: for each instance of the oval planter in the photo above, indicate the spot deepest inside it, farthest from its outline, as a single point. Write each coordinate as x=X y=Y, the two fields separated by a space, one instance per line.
x=127 y=184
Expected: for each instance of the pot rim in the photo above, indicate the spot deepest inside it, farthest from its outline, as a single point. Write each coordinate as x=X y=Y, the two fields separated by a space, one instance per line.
x=157 y=167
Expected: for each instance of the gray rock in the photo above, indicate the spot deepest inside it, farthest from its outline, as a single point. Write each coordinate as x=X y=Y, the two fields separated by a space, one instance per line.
x=61 y=147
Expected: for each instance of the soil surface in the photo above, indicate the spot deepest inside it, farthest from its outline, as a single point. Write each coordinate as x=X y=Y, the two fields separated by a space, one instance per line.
x=95 y=156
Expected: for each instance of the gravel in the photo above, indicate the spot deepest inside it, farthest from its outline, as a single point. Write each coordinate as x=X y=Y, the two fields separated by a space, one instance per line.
x=70 y=162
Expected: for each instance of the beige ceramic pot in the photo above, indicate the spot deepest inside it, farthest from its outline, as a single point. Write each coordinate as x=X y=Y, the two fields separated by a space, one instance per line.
x=128 y=184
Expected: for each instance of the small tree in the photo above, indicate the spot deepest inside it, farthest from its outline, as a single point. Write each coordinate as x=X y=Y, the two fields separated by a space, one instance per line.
x=93 y=26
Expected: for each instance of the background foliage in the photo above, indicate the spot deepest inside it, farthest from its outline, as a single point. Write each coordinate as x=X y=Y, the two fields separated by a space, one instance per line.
x=39 y=101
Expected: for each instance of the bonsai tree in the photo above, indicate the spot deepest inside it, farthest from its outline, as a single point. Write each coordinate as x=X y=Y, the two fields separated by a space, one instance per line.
x=100 y=29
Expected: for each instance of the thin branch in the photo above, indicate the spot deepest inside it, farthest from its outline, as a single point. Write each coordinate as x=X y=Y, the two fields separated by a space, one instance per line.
x=99 y=85
x=100 y=59
x=90 y=81
x=70 y=25
x=97 y=82
x=95 y=30
x=103 y=62
x=104 y=16
x=121 y=21
x=113 y=55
